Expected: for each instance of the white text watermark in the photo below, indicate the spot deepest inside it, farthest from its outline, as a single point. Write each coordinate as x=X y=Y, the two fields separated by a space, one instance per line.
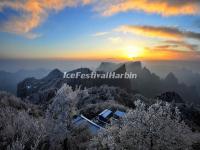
x=96 y=75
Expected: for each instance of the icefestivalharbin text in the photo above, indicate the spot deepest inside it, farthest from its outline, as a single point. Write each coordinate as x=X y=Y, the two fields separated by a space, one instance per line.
x=95 y=75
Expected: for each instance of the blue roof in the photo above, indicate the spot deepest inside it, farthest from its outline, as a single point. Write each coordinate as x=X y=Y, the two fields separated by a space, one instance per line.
x=105 y=113
x=119 y=113
x=78 y=120
x=81 y=120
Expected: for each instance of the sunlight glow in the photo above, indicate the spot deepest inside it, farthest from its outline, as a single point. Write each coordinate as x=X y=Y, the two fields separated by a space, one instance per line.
x=133 y=52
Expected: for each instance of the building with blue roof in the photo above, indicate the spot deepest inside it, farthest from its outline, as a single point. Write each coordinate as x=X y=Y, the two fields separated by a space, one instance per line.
x=83 y=121
x=105 y=115
x=118 y=114
x=103 y=118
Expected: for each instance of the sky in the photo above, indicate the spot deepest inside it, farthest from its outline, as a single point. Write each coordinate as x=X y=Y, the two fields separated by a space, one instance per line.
x=100 y=29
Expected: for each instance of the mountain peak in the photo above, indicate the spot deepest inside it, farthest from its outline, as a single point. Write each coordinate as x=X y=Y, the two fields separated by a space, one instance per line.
x=56 y=73
x=171 y=77
x=135 y=67
x=82 y=70
x=121 y=69
x=107 y=66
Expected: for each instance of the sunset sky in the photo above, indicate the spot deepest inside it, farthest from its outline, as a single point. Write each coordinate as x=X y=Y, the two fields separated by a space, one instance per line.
x=100 y=29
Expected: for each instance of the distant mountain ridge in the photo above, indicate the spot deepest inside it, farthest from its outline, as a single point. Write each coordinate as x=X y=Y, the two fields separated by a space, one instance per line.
x=110 y=67
x=107 y=66
x=147 y=83
x=10 y=80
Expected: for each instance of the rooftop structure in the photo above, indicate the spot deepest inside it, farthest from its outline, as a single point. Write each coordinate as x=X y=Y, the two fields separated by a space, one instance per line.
x=99 y=122
x=118 y=114
x=105 y=115
x=82 y=120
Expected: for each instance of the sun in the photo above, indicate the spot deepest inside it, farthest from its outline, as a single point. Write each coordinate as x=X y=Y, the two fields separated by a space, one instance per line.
x=133 y=52
x=132 y=55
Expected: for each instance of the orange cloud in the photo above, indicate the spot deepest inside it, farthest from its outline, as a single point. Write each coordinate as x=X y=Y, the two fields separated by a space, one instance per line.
x=32 y=14
x=168 y=53
x=163 y=7
x=159 y=32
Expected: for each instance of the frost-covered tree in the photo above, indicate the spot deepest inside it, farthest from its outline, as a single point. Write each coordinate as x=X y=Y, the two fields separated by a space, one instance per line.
x=28 y=131
x=63 y=107
x=157 y=127
x=60 y=113
x=18 y=129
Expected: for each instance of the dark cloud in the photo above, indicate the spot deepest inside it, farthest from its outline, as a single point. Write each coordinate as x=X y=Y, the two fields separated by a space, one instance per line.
x=188 y=46
x=159 y=32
